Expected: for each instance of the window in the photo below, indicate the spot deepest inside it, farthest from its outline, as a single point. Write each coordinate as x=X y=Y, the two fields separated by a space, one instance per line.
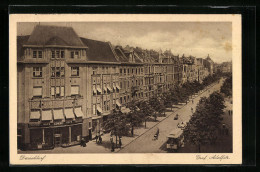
x=39 y=54
x=74 y=90
x=74 y=71
x=37 y=92
x=105 y=106
x=34 y=54
x=57 y=71
x=53 y=54
x=74 y=54
x=62 y=54
x=58 y=91
x=121 y=71
x=57 y=54
x=94 y=109
x=62 y=72
x=37 y=71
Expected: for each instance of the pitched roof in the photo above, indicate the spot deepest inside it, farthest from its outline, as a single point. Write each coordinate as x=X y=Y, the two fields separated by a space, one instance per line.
x=20 y=41
x=99 y=51
x=54 y=35
x=121 y=56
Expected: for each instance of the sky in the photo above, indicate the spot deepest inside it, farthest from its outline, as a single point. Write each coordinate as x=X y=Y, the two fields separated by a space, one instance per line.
x=189 y=38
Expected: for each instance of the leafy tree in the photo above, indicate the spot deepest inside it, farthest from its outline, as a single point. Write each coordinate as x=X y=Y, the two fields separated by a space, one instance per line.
x=134 y=116
x=205 y=122
x=157 y=104
x=117 y=124
x=145 y=110
x=227 y=87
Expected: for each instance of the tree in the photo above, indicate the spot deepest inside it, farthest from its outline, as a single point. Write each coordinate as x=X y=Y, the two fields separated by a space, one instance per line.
x=205 y=122
x=134 y=116
x=157 y=104
x=145 y=110
x=227 y=87
x=117 y=124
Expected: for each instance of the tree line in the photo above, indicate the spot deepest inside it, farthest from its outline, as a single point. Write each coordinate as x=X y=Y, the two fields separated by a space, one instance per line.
x=122 y=124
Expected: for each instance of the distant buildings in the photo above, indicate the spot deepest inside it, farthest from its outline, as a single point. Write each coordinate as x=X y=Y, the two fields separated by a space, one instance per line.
x=67 y=85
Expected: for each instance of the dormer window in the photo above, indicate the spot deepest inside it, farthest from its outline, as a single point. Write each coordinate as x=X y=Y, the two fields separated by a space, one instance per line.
x=74 y=54
x=37 y=54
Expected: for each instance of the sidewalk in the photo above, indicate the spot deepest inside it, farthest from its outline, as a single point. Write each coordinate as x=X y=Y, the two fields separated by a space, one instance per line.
x=105 y=147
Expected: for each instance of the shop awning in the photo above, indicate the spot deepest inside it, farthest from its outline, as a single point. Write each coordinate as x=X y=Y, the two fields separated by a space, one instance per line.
x=78 y=112
x=109 y=88
x=99 y=90
x=118 y=104
x=117 y=86
x=94 y=90
x=105 y=88
x=125 y=110
x=46 y=115
x=69 y=113
x=58 y=114
x=99 y=109
x=114 y=87
x=35 y=115
x=106 y=113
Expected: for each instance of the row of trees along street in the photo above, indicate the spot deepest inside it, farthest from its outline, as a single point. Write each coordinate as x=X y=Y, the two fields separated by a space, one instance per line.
x=206 y=121
x=122 y=124
x=226 y=88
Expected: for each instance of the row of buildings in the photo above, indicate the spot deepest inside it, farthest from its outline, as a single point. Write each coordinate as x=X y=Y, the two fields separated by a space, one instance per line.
x=67 y=85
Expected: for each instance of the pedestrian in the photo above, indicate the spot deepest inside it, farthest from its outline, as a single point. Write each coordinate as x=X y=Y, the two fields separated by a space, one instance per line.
x=112 y=147
x=192 y=110
x=192 y=101
x=100 y=139
x=120 y=142
x=83 y=142
x=111 y=138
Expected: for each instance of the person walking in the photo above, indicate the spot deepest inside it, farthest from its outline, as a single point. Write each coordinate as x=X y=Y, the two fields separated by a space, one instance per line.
x=192 y=101
x=100 y=139
x=112 y=147
x=120 y=142
x=191 y=110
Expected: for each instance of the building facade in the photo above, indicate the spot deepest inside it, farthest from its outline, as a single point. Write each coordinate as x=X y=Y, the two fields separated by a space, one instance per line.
x=68 y=85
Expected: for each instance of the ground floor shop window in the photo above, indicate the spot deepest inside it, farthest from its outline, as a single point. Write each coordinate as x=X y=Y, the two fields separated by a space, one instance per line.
x=36 y=138
x=76 y=132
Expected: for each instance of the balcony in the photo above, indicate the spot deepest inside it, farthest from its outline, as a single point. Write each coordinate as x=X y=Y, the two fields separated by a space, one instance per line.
x=50 y=103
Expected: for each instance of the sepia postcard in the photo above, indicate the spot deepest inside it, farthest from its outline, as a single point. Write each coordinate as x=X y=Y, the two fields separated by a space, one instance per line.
x=125 y=89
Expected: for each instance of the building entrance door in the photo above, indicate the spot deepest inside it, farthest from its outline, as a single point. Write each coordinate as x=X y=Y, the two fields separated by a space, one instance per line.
x=57 y=137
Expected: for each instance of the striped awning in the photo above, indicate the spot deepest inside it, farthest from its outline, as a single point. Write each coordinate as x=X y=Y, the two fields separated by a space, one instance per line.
x=99 y=109
x=99 y=90
x=109 y=88
x=94 y=90
x=118 y=87
x=46 y=115
x=69 y=113
x=58 y=114
x=118 y=104
x=35 y=115
x=78 y=112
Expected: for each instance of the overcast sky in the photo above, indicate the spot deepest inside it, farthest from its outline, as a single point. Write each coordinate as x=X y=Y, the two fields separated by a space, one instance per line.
x=190 y=38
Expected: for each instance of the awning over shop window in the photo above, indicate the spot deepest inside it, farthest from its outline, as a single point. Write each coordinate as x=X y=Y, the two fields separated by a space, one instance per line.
x=99 y=90
x=105 y=88
x=94 y=91
x=58 y=114
x=99 y=109
x=118 y=104
x=125 y=110
x=69 y=113
x=46 y=115
x=118 y=87
x=106 y=113
x=78 y=112
x=35 y=115
x=109 y=88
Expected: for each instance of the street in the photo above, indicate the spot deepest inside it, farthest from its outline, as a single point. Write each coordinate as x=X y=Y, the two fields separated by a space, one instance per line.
x=145 y=144
x=142 y=142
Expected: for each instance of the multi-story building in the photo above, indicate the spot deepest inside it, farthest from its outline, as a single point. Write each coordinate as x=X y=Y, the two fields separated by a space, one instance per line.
x=68 y=85
x=209 y=64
